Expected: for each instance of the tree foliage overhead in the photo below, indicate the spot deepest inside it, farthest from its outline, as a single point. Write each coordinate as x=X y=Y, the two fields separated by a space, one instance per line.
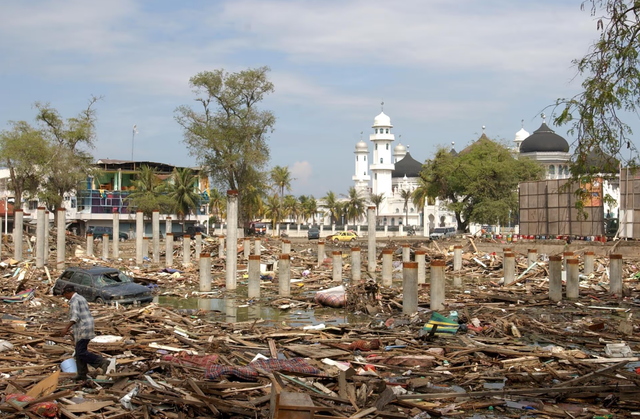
x=149 y=193
x=610 y=88
x=480 y=184
x=182 y=191
x=228 y=134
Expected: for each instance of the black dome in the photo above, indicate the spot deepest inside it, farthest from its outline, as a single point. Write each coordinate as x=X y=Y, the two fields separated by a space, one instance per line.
x=407 y=166
x=544 y=139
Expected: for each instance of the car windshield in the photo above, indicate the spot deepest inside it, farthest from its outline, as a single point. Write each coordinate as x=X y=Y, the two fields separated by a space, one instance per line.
x=439 y=230
x=113 y=278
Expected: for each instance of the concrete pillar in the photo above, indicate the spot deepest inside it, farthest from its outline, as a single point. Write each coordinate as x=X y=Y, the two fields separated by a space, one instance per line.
x=205 y=272
x=257 y=247
x=284 y=275
x=198 y=248
x=232 y=240
x=589 y=258
x=139 y=237
x=509 y=268
x=387 y=267
x=116 y=236
x=437 y=285
x=356 y=265
x=506 y=250
x=221 y=250
x=409 y=287
x=18 y=231
x=89 y=244
x=406 y=253
x=532 y=256
x=320 y=252
x=246 y=247
x=168 y=252
x=337 y=265
x=61 y=239
x=168 y=226
x=457 y=258
x=105 y=246
x=145 y=247
x=186 y=250
x=565 y=256
x=371 y=239
x=555 y=278
x=253 y=290
x=155 y=228
x=40 y=228
x=573 y=280
x=286 y=246
x=422 y=266
x=46 y=237
x=615 y=275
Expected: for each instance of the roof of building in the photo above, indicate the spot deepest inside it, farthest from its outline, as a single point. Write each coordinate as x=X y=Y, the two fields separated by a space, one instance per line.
x=399 y=149
x=468 y=148
x=408 y=167
x=521 y=135
x=597 y=161
x=544 y=139
x=361 y=146
x=129 y=165
x=382 y=120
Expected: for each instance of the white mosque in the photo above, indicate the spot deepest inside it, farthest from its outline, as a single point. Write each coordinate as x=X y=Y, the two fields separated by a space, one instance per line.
x=389 y=172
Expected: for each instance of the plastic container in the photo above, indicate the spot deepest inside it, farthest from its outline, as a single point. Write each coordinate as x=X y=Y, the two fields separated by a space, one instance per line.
x=69 y=365
x=5 y=345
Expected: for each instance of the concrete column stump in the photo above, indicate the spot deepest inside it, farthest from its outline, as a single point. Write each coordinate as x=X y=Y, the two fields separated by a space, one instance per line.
x=337 y=265
x=253 y=290
x=422 y=266
x=437 y=285
x=555 y=278
x=205 y=272
x=284 y=275
x=615 y=275
x=387 y=267
x=409 y=287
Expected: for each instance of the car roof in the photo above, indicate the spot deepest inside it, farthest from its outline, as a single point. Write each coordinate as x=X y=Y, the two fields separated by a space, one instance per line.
x=96 y=270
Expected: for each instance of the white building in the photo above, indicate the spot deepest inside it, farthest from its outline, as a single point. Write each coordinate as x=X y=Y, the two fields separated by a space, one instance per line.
x=390 y=171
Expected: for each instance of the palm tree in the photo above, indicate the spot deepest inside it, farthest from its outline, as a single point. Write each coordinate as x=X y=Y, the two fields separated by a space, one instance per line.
x=273 y=210
x=281 y=178
x=406 y=197
x=182 y=193
x=148 y=194
x=253 y=202
x=377 y=199
x=291 y=207
x=332 y=205
x=355 y=207
x=420 y=195
x=217 y=204
x=311 y=208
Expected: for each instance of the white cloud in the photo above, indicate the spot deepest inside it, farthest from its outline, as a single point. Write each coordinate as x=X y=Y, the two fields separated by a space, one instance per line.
x=301 y=171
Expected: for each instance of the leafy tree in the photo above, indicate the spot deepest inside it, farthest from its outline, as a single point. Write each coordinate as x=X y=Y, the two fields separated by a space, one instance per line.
x=420 y=195
x=291 y=207
x=228 y=134
x=273 y=210
x=480 y=184
x=610 y=88
x=309 y=207
x=356 y=205
x=377 y=200
x=281 y=178
x=253 y=201
x=406 y=197
x=149 y=194
x=182 y=192
x=70 y=141
x=25 y=152
x=332 y=205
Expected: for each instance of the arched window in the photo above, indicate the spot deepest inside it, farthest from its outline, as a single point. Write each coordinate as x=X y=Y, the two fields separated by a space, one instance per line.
x=397 y=210
x=375 y=176
x=376 y=130
x=376 y=146
x=411 y=209
x=380 y=160
x=387 y=130
x=387 y=146
x=384 y=220
x=393 y=221
x=364 y=173
x=365 y=158
x=552 y=170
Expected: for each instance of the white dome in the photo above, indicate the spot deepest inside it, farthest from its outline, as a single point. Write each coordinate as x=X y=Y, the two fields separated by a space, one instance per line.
x=361 y=146
x=382 y=120
x=521 y=135
x=400 y=149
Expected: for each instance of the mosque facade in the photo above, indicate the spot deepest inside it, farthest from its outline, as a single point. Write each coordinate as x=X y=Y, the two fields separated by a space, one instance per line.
x=389 y=170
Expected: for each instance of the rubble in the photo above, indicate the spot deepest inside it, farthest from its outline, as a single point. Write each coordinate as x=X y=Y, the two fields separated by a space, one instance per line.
x=495 y=350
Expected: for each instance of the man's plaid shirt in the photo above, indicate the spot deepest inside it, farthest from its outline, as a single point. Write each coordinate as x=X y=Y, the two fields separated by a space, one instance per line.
x=80 y=314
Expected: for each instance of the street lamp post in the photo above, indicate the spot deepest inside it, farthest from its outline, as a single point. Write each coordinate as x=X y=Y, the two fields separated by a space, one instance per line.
x=133 y=136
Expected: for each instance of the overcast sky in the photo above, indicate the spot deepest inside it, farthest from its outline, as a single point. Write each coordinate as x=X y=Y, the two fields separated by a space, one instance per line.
x=443 y=68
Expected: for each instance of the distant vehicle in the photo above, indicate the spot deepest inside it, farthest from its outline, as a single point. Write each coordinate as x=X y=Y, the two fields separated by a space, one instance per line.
x=313 y=233
x=99 y=231
x=191 y=232
x=411 y=231
x=442 y=233
x=103 y=285
x=611 y=226
x=257 y=229
x=343 y=236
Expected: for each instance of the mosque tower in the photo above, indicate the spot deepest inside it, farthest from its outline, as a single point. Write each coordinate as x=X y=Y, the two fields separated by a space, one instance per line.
x=520 y=137
x=361 y=177
x=382 y=165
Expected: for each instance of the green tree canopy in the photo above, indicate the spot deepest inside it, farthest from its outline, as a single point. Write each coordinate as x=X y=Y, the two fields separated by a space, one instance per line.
x=332 y=206
x=355 y=206
x=182 y=192
x=281 y=178
x=480 y=184
x=610 y=88
x=149 y=193
x=228 y=133
x=377 y=199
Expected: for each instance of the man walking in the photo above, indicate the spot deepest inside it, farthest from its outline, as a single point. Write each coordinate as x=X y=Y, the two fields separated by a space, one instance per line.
x=83 y=331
